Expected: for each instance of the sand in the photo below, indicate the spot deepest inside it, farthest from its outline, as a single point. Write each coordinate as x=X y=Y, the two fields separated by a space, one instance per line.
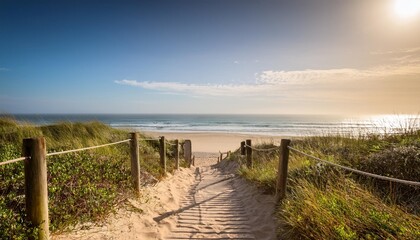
x=215 y=142
x=205 y=201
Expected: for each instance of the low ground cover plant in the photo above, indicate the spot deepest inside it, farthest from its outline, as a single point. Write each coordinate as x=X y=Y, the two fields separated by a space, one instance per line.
x=82 y=186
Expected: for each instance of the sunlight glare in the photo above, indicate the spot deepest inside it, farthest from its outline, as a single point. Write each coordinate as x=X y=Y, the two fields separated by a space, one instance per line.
x=406 y=8
x=394 y=123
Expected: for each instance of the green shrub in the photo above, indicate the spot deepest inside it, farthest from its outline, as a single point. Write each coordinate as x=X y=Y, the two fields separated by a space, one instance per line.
x=82 y=186
x=324 y=202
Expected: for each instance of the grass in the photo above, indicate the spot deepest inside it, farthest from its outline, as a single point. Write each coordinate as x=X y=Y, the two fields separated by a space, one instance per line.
x=82 y=186
x=326 y=203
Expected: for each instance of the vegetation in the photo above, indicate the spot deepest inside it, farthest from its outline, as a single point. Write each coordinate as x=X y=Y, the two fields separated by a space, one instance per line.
x=324 y=202
x=82 y=186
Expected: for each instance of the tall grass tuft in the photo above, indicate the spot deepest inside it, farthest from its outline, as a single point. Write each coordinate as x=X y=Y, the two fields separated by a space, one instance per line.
x=82 y=186
x=324 y=202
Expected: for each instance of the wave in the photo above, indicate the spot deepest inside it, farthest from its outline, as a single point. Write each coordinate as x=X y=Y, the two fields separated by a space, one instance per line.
x=275 y=125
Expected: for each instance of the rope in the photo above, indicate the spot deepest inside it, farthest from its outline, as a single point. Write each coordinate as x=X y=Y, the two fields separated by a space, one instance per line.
x=87 y=148
x=12 y=161
x=169 y=143
x=262 y=149
x=68 y=151
x=358 y=171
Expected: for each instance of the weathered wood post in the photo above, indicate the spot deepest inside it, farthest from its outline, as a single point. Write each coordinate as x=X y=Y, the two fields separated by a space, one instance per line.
x=162 y=153
x=176 y=154
x=228 y=154
x=249 y=153
x=135 y=161
x=188 y=152
x=193 y=160
x=243 y=148
x=282 y=170
x=36 y=191
x=221 y=156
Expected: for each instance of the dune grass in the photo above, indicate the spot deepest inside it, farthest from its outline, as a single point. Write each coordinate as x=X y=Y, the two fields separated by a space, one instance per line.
x=82 y=186
x=324 y=202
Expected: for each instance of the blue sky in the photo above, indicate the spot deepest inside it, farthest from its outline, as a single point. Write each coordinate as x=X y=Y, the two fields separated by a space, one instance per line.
x=209 y=56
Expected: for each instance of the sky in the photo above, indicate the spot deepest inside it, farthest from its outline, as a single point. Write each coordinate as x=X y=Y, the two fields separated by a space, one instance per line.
x=210 y=56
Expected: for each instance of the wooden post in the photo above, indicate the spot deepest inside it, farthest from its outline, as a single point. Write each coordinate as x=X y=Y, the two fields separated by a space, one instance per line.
x=176 y=154
x=162 y=153
x=228 y=154
x=249 y=153
x=135 y=161
x=243 y=148
x=282 y=170
x=36 y=191
x=221 y=156
x=193 y=160
x=218 y=159
x=188 y=152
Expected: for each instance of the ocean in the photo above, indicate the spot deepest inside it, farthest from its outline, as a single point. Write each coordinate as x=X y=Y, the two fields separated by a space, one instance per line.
x=266 y=125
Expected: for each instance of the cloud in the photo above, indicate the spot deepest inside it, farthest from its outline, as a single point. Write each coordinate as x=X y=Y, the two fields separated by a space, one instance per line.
x=199 y=89
x=313 y=76
x=398 y=51
x=277 y=83
x=307 y=76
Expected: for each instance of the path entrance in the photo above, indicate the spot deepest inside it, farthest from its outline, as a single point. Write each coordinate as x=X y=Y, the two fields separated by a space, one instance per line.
x=217 y=208
x=207 y=201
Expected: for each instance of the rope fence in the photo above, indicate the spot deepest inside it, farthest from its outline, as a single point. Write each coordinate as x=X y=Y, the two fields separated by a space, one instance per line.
x=12 y=161
x=64 y=152
x=87 y=148
x=284 y=149
x=220 y=158
x=263 y=149
x=149 y=139
x=407 y=182
x=35 y=172
x=171 y=144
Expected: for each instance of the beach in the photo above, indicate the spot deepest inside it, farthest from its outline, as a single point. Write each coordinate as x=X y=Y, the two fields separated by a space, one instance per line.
x=214 y=142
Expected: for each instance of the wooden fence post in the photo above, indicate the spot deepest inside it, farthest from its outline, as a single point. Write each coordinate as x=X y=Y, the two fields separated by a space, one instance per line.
x=162 y=153
x=221 y=156
x=36 y=190
x=176 y=154
x=243 y=148
x=135 y=161
x=249 y=153
x=188 y=152
x=228 y=154
x=193 y=160
x=282 y=170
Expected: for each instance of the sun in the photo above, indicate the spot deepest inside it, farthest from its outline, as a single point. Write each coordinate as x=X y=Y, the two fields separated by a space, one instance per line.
x=406 y=8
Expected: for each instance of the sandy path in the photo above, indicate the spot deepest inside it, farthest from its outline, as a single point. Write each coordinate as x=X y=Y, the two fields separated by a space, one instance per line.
x=212 y=209
x=204 y=202
x=222 y=206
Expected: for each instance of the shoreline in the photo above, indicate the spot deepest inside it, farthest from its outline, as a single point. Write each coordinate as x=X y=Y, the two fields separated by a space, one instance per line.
x=212 y=142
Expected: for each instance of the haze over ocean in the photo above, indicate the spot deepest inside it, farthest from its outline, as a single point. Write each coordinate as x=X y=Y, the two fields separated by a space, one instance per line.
x=268 y=125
